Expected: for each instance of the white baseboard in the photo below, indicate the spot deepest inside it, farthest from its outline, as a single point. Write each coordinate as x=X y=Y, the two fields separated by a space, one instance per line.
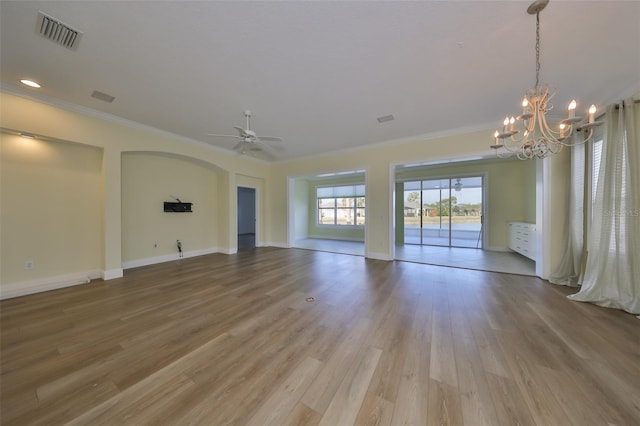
x=337 y=238
x=378 y=256
x=111 y=274
x=279 y=245
x=23 y=288
x=168 y=257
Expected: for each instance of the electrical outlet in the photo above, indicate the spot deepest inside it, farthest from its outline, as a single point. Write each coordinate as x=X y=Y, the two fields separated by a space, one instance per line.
x=29 y=264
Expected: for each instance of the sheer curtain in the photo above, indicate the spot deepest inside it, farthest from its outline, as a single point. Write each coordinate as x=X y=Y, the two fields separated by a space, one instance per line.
x=570 y=267
x=612 y=271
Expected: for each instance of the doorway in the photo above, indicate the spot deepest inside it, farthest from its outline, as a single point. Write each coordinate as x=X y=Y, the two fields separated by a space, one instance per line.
x=246 y=218
x=444 y=212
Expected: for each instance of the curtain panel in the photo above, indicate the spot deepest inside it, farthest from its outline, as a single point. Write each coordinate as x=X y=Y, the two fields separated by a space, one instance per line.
x=612 y=271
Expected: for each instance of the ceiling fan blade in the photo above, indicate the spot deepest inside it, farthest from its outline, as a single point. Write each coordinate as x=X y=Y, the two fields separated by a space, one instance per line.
x=238 y=146
x=272 y=148
x=270 y=138
x=263 y=151
x=266 y=148
x=224 y=136
x=242 y=131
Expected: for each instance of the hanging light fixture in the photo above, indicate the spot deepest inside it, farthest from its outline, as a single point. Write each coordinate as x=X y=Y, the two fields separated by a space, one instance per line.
x=458 y=185
x=536 y=137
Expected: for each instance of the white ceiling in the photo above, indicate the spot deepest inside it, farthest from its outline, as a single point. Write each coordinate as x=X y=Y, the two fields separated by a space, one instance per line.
x=318 y=74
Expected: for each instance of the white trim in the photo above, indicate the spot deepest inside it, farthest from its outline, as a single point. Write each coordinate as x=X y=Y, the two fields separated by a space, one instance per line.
x=543 y=216
x=43 y=99
x=378 y=256
x=425 y=137
x=228 y=251
x=337 y=237
x=8 y=291
x=278 y=245
x=112 y=274
x=169 y=257
x=391 y=212
x=291 y=212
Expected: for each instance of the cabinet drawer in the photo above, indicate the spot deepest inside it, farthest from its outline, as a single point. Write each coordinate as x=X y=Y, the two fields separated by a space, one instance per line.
x=522 y=238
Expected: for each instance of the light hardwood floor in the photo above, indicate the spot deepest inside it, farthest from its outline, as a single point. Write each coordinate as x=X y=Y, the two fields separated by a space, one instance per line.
x=222 y=339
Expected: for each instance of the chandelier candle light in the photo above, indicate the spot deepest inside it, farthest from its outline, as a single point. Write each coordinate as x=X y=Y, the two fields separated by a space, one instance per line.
x=538 y=139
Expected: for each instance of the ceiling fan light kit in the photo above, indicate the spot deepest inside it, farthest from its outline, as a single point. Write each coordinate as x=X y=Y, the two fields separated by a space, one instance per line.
x=249 y=140
x=538 y=139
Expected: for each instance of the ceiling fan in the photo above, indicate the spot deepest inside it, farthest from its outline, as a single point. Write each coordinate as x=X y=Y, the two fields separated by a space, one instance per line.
x=249 y=140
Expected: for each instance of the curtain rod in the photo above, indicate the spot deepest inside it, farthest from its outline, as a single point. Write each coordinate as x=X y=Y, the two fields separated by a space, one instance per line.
x=635 y=101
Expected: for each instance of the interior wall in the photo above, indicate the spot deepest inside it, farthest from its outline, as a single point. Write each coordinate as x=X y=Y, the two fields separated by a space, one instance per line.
x=301 y=208
x=379 y=162
x=51 y=209
x=509 y=186
x=399 y=213
x=331 y=232
x=114 y=136
x=558 y=197
x=529 y=178
x=150 y=179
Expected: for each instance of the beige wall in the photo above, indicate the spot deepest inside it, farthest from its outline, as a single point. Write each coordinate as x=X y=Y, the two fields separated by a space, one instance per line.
x=301 y=201
x=378 y=161
x=150 y=179
x=112 y=137
x=52 y=204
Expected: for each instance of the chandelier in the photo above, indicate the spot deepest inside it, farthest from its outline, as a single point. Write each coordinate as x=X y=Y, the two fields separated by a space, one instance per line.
x=529 y=135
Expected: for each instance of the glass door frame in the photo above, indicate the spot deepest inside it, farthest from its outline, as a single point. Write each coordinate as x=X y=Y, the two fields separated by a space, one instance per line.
x=481 y=243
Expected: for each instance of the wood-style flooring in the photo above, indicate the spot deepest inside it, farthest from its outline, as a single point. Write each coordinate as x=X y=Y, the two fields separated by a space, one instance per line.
x=236 y=339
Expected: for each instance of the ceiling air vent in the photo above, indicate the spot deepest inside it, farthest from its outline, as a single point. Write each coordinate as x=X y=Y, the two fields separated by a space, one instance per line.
x=102 y=96
x=57 y=32
x=385 y=118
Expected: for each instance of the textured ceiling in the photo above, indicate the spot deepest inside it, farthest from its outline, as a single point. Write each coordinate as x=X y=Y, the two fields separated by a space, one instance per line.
x=318 y=74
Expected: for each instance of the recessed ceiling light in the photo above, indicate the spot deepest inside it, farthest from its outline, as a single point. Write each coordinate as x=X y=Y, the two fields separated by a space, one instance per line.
x=30 y=83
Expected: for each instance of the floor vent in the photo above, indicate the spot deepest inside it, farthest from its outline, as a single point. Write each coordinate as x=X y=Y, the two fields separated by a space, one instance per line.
x=58 y=32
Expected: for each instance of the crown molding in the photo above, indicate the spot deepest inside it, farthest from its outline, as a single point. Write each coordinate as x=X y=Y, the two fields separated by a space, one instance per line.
x=71 y=107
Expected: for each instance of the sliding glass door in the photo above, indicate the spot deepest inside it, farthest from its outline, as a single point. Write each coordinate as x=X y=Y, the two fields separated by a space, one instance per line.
x=444 y=212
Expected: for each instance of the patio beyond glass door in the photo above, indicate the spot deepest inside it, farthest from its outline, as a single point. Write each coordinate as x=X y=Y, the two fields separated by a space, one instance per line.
x=444 y=212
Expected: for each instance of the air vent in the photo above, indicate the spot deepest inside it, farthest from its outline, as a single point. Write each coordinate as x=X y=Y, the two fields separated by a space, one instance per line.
x=385 y=118
x=58 y=32
x=102 y=96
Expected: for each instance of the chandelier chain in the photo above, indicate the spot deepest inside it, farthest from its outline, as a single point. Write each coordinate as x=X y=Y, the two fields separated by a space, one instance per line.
x=537 y=49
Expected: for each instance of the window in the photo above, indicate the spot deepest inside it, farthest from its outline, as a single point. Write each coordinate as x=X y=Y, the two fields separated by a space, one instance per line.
x=341 y=205
x=595 y=157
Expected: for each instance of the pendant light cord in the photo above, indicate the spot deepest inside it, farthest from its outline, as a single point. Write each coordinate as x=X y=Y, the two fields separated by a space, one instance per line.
x=537 y=49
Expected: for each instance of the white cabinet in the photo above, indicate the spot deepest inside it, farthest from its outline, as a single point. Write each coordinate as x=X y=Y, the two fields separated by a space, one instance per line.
x=522 y=238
